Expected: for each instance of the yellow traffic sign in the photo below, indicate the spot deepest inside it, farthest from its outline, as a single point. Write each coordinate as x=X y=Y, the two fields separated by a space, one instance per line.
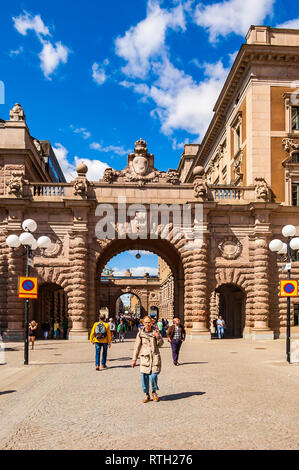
x=28 y=288
x=289 y=288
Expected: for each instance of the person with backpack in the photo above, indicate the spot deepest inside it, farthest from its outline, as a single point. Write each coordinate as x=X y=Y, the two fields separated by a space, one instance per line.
x=100 y=336
x=122 y=328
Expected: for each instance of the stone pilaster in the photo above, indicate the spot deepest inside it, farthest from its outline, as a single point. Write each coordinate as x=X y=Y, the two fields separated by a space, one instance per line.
x=196 y=272
x=77 y=288
x=15 y=306
x=3 y=282
x=261 y=307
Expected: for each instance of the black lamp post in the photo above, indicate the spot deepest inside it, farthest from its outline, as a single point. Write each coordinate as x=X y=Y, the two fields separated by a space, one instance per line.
x=28 y=241
x=280 y=248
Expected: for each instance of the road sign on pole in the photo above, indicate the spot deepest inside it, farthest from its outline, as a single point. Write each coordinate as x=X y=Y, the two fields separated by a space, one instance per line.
x=28 y=288
x=288 y=288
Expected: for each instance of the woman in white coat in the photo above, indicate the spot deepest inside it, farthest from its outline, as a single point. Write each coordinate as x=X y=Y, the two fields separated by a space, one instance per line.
x=148 y=342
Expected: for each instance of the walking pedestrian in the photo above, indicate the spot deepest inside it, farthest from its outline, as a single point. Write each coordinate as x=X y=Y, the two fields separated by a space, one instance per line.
x=100 y=336
x=122 y=328
x=56 y=328
x=220 y=327
x=32 y=332
x=112 y=327
x=46 y=329
x=147 y=344
x=176 y=334
x=160 y=326
x=65 y=327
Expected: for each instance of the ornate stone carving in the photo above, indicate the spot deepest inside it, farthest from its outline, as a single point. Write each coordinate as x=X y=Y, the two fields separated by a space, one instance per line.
x=262 y=190
x=172 y=177
x=230 y=249
x=80 y=186
x=290 y=146
x=16 y=183
x=17 y=113
x=37 y=145
x=81 y=183
x=140 y=168
x=110 y=175
x=199 y=185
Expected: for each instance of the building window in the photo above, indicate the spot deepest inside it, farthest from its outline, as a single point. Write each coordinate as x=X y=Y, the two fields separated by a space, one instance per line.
x=295 y=118
x=296 y=314
x=295 y=194
x=295 y=158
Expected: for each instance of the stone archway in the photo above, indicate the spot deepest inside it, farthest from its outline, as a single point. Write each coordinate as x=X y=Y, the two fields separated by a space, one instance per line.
x=230 y=303
x=160 y=247
x=52 y=305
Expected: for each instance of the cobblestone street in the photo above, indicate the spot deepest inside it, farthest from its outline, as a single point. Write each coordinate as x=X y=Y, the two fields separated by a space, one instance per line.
x=230 y=394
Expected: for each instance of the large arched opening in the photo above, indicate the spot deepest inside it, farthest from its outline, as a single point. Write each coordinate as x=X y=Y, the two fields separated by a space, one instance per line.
x=231 y=301
x=51 y=306
x=163 y=249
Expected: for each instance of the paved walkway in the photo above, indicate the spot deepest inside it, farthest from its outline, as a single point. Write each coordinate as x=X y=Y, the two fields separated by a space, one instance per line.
x=229 y=394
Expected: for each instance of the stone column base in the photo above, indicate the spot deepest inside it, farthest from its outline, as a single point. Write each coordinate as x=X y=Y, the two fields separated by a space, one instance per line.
x=13 y=335
x=199 y=330
x=261 y=335
x=78 y=335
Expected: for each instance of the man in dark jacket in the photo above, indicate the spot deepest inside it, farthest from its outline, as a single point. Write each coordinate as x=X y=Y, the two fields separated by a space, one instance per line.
x=176 y=335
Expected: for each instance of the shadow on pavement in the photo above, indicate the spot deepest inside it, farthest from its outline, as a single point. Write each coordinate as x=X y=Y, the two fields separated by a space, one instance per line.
x=120 y=359
x=7 y=391
x=179 y=396
x=186 y=363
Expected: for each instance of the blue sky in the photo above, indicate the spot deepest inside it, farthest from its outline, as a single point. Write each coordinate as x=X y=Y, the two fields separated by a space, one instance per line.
x=94 y=77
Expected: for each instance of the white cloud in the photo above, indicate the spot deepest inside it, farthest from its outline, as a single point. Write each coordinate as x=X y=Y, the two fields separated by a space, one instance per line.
x=146 y=40
x=182 y=103
x=26 y=22
x=232 y=16
x=291 y=24
x=96 y=168
x=84 y=132
x=98 y=74
x=119 y=150
x=51 y=56
x=16 y=52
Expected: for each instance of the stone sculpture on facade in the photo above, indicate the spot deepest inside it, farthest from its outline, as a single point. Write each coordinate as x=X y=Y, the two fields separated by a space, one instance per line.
x=16 y=184
x=290 y=146
x=199 y=184
x=81 y=183
x=262 y=190
x=172 y=177
x=140 y=168
x=17 y=113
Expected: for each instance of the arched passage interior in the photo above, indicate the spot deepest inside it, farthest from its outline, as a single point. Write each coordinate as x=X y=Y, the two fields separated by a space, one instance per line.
x=160 y=247
x=231 y=305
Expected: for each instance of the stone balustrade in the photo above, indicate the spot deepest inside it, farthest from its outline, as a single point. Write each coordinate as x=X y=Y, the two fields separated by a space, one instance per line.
x=223 y=194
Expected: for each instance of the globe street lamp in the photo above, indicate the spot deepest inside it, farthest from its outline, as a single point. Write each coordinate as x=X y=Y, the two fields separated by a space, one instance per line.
x=281 y=248
x=30 y=244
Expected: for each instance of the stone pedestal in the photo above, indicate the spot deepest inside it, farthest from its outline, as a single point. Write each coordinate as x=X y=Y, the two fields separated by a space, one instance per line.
x=261 y=330
x=79 y=331
x=200 y=330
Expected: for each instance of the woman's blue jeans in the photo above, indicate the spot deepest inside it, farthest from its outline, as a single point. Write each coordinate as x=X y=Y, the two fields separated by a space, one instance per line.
x=98 y=347
x=145 y=378
x=220 y=330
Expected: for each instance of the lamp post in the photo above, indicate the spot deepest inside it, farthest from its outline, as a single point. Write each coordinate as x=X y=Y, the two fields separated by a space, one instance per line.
x=281 y=248
x=30 y=244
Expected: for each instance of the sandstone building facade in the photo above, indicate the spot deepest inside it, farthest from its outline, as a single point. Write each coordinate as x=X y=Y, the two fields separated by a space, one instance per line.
x=244 y=176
